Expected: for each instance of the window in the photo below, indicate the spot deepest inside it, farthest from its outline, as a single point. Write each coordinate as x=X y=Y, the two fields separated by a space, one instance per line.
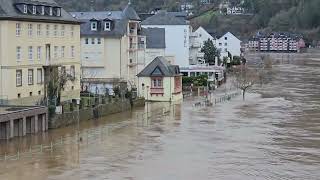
x=30 y=76
x=30 y=93
x=225 y=50
x=55 y=54
x=92 y=41
x=157 y=83
x=87 y=40
x=62 y=51
x=107 y=26
x=225 y=38
x=39 y=76
x=48 y=30
x=55 y=30
x=220 y=44
x=30 y=27
x=94 y=26
x=72 y=71
x=39 y=30
x=72 y=31
x=18 y=29
x=34 y=10
x=18 y=52
x=39 y=53
x=99 y=40
x=62 y=30
x=19 y=78
x=58 y=12
x=30 y=53
x=25 y=9
x=19 y=95
x=72 y=51
x=225 y=44
x=39 y=93
x=42 y=10
x=50 y=11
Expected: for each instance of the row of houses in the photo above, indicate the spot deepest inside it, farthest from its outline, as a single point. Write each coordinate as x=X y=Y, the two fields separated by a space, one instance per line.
x=277 y=42
x=40 y=41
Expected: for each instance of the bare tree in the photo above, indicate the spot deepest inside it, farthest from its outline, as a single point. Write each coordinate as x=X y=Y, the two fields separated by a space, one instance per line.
x=244 y=78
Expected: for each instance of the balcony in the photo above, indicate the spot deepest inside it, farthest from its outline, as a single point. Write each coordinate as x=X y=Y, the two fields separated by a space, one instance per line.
x=156 y=91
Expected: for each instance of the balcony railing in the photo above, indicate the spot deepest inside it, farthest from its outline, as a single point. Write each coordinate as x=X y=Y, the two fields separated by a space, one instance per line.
x=156 y=91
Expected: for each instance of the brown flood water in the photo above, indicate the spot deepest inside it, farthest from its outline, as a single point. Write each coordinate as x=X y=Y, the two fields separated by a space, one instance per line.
x=275 y=134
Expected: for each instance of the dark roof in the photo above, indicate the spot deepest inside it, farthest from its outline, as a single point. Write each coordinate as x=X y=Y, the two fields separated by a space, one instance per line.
x=119 y=21
x=8 y=10
x=155 y=38
x=98 y=15
x=130 y=13
x=119 y=28
x=164 y=18
x=160 y=67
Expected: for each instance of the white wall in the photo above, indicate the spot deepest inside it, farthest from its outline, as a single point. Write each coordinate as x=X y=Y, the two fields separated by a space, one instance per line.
x=177 y=42
x=230 y=43
x=151 y=54
x=203 y=36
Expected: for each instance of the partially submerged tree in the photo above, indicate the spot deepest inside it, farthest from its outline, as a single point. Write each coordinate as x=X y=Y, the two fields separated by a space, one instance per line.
x=210 y=52
x=244 y=78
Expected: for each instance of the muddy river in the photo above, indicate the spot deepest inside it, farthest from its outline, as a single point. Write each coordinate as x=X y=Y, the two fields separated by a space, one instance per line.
x=274 y=134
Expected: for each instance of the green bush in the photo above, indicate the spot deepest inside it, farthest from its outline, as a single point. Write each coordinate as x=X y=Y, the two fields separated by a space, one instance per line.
x=196 y=81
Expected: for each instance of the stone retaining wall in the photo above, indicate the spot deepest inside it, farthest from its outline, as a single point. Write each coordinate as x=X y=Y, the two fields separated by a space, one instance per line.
x=87 y=114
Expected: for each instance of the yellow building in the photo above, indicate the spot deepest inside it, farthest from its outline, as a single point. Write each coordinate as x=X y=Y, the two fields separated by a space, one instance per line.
x=112 y=48
x=160 y=81
x=37 y=38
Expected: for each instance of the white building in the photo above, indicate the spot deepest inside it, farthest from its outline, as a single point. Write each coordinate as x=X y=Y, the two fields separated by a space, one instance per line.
x=177 y=32
x=229 y=43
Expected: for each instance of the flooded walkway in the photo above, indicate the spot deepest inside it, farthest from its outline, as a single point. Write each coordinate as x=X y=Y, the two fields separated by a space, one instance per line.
x=274 y=134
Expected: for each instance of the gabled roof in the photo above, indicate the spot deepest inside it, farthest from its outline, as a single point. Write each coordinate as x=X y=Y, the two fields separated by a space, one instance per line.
x=155 y=38
x=9 y=11
x=164 y=18
x=130 y=13
x=160 y=67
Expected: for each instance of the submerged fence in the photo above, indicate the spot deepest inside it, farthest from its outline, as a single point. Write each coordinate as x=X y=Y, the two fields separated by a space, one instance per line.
x=217 y=100
x=84 y=137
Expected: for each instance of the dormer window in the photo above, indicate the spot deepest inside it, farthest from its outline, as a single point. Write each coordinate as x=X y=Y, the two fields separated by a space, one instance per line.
x=107 y=26
x=42 y=10
x=34 y=9
x=58 y=12
x=94 y=26
x=25 y=9
x=50 y=11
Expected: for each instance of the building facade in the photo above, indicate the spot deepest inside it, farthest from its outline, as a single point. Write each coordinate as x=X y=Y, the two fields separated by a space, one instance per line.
x=229 y=43
x=112 y=48
x=277 y=42
x=177 y=32
x=35 y=38
x=160 y=81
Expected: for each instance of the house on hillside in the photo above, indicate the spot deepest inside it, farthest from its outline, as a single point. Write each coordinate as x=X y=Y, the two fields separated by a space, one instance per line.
x=229 y=43
x=160 y=81
x=112 y=49
x=177 y=32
